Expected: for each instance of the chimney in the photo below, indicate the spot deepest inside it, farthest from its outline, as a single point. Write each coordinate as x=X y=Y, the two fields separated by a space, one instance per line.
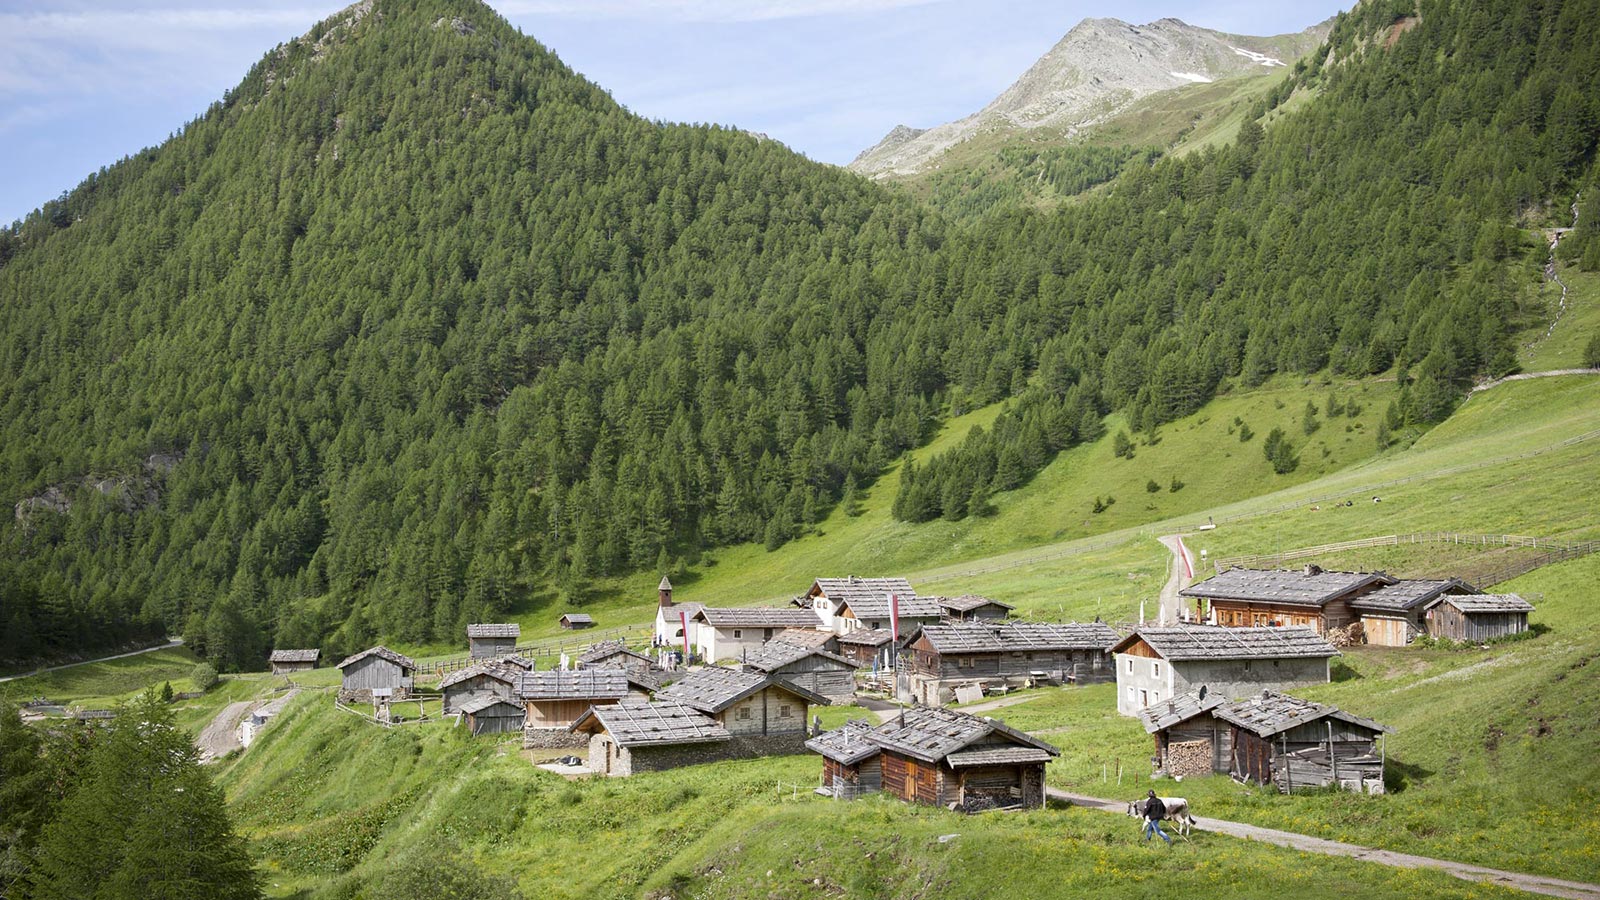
x=664 y=593
x=1312 y=569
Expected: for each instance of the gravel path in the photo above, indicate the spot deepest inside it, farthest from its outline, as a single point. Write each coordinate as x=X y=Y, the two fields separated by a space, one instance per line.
x=175 y=642
x=222 y=735
x=1538 y=884
x=1171 y=608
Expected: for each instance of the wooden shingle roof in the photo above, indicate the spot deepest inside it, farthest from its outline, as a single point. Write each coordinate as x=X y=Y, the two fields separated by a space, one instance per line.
x=1408 y=594
x=956 y=638
x=715 y=688
x=505 y=674
x=998 y=756
x=1270 y=713
x=852 y=587
x=577 y=618
x=931 y=733
x=1161 y=716
x=479 y=704
x=494 y=630
x=1291 y=587
x=294 y=656
x=876 y=606
x=968 y=603
x=1178 y=643
x=867 y=637
x=848 y=744
x=652 y=724
x=776 y=654
x=573 y=684
x=404 y=662
x=805 y=637
x=1485 y=603
x=757 y=617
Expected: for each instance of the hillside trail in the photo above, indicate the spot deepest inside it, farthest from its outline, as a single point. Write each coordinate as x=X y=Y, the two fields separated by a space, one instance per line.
x=222 y=736
x=1537 y=884
x=1182 y=569
x=1524 y=376
x=175 y=642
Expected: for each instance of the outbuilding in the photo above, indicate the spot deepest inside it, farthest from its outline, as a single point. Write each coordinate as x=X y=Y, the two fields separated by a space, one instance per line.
x=852 y=763
x=287 y=662
x=941 y=659
x=631 y=738
x=557 y=698
x=613 y=655
x=827 y=674
x=493 y=715
x=971 y=606
x=1392 y=615
x=576 y=621
x=1155 y=664
x=872 y=649
x=1297 y=744
x=1477 y=617
x=376 y=669
x=488 y=640
x=485 y=679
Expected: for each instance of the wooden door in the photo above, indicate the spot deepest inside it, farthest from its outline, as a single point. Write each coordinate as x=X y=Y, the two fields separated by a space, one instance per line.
x=911 y=781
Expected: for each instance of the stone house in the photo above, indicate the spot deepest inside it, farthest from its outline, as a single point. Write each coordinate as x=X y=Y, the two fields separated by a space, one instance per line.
x=826 y=594
x=1155 y=664
x=764 y=714
x=827 y=674
x=938 y=660
x=376 y=668
x=557 y=698
x=631 y=738
x=487 y=640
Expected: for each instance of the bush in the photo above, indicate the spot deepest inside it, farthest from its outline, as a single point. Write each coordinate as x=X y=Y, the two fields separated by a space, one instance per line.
x=1152 y=486
x=1591 y=353
x=204 y=677
x=1245 y=434
x=1176 y=485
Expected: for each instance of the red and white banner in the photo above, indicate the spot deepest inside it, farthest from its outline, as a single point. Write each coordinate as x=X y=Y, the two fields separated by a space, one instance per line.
x=1188 y=565
x=683 y=617
x=894 y=617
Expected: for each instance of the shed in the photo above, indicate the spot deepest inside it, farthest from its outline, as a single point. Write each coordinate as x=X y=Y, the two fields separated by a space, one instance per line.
x=285 y=662
x=576 y=621
x=828 y=674
x=649 y=737
x=485 y=679
x=972 y=606
x=493 y=715
x=491 y=639
x=1155 y=664
x=942 y=657
x=1392 y=615
x=871 y=648
x=1477 y=617
x=1190 y=741
x=851 y=762
x=613 y=655
x=376 y=668
x=1297 y=744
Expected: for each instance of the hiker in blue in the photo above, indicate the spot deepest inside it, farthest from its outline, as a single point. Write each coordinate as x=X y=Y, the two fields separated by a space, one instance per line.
x=1154 y=812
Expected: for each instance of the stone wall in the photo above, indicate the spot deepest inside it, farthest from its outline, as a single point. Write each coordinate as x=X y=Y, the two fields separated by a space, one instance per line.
x=552 y=739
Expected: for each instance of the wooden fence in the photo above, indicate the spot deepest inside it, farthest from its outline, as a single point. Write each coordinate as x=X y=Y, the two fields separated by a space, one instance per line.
x=1551 y=550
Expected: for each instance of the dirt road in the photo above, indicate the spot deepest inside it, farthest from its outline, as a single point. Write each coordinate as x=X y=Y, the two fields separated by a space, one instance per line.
x=222 y=735
x=175 y=642
x=1171 y=607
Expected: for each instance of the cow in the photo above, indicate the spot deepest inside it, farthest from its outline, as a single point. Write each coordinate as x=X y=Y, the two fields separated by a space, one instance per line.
x=1177 y=811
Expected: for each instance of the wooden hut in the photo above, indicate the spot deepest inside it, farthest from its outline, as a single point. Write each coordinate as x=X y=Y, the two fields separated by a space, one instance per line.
x=648 y=737
x=1392 y=615
x=613 y=655
x=828 y=674
x=376 y=669
x=1155 y=664
x=968 y=607
x=868 y=649
x=1477 y=617
x=1308 y=597
x=765 y=714
x=1190 y=741
x=576 y=621
x=1295 y=744
x=949 y=758
x=491 y=639
x=851 y=762
x=287 y=662
x=942 y=659
x=485 y=679
x=493 y=715
x=556 y=699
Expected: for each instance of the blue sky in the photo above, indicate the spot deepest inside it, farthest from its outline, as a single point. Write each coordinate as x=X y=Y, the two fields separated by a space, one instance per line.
x=86 y=82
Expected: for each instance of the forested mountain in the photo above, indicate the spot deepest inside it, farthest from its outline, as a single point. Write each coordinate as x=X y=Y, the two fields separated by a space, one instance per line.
x=416 y=323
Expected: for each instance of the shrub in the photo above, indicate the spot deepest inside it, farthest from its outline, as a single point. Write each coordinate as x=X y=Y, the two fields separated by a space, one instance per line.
x=1176 y=485
x=1122 y=445
x=1245 y=434
x=1591 y=352
x=204 y=677
x=1279 y=453
x=1152 y=486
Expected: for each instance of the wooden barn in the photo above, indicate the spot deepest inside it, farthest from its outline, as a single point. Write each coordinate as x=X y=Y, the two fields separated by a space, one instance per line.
x=1190 y=741
x=947 y=758
x=940 y=660
x=1295 y=744
x=484 y=679
x=968 y=607
x=287 y=662
x=1157 y=663
x=868 y=649
x=1308 y=597
x=1477 y=617
x=765 y=714
x=851 y=762
x=493 y=715
x=729 y=632
x=828 y=674
x=648 y=737
x=576 y=621
x=492 y=639
x=1392 y=615
x=613 y=655
x=827 y=594
x=377 y=668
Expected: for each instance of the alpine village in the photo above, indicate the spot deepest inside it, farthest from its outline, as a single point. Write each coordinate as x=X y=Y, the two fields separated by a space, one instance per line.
x=432 y=478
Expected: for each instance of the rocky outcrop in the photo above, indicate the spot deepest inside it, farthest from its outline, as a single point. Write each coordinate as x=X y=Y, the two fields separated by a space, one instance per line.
x=132 y=491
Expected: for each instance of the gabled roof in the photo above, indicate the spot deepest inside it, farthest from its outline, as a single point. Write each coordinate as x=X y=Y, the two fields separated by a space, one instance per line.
x=775 y=654
x=1177 y=643
x=652 y=724
x=1015 y=637
x=805 y=637
x=869 y=637
x=671 y=613
x=479 y=704
x=1292 y=587
x=1270 y=713
x=715 y=688
x=576 y=618
x=521 y=662
x=607 y=651
x=294 y=656
x=930 y=733
x=1408 y=594
x=1484 y=603
x=573 y=684
x=405 y=662
x=504 y=674
x=848 y=744
x=851 y=587
x=876 y=606
x=968 y=603
x=756 y=617
x=494 y=630
x=1161 y=716
x=998 y=756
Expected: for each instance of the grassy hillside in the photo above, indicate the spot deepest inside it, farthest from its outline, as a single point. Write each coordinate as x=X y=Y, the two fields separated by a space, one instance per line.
x=1539 y=347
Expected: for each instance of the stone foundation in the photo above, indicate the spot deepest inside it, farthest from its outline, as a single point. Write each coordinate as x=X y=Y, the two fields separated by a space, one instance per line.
x=552 y=739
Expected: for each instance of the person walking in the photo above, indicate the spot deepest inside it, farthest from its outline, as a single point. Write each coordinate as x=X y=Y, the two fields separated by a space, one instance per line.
x=1154 y=812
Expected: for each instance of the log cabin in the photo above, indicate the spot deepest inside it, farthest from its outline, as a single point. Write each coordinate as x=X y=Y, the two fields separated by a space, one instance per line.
x=376 y=668
x=1478 y=617
x=484 y=679
x=765 y=714
x=1190 y=741
x=1392 y=615
x=826 y=674
x=826 y=594
x=871 y=649
x=941 y=658
x=493 y=715
x=727 y=633
x=852 y=764
x=1309 y=597
x=941 y=757
x=487 y=640
x=1155 y=664
x=287 y=662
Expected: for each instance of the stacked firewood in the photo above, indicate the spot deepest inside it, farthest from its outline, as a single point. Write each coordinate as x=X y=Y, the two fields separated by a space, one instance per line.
x=1348 y=636
x=1189 y=758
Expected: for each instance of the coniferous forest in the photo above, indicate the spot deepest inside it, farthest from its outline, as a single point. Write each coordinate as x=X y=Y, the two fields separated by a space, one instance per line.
x=416 y=321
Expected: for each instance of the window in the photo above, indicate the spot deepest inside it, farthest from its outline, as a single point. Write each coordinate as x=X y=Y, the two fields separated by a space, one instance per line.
x=785 y=711
x=737 y=633
x=966 y=662
x=1247 y=665
x=1155 y=669
x=744 y=713
x=1130 y=666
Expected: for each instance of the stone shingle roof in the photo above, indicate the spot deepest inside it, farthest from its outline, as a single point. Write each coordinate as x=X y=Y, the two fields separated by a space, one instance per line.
x=405 y=662
x=652 y=724
x=877 y=607
x=869 y=637
x=508 y=675
x=998 y=756
x=715 y=688
x=294 y=656
x=608 y=651
x=1485 y=603
x=479 y=704
x=573 y=684
x=1408 y=594
x=848 y=744
x=957 y=638
x=1292 y=587
x=805 y=637
x=931 y=733
x=1270 y=713
x=776 y=654
x=1182 y=708
x=494 y=630
x=757 y=617
x=577 y=618
x=968 y=603
x=852 y=588
x=1177 y=643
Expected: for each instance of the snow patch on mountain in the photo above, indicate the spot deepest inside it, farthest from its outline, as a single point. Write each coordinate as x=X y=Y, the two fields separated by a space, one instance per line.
x=1195 y=77
x=1262 y=58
